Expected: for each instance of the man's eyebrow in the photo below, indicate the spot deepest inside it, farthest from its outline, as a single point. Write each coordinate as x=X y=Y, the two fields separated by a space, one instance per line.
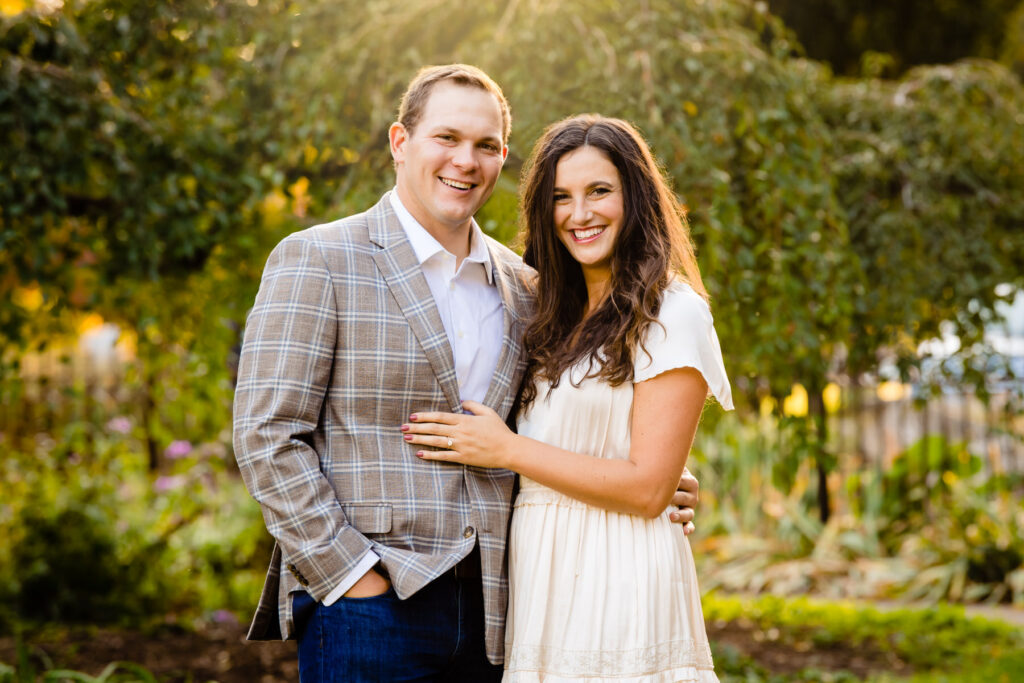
x=444 y=130
x=458 y=133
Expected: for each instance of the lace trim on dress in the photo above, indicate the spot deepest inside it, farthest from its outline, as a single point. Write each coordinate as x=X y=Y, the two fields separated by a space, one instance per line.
x=639 y=661
x=533 y=494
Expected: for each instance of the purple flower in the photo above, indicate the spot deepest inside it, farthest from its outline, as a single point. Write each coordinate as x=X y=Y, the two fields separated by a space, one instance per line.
x=223 y=616
x=178 y=449
x=120 y=425
x=164 y=484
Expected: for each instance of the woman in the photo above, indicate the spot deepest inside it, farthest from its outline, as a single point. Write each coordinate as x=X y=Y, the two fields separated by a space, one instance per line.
x=623 y=355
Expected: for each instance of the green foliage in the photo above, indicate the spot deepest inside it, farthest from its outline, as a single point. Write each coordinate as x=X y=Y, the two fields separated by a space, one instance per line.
x=1013 y=47
x=115 y=672
x=930 y=170
x=733 y=667
x=926 y=639
x=176 y=119
x=936 y=525
x=122 y=152
x=1004 y=668
x=92 y=536
x=66 y=567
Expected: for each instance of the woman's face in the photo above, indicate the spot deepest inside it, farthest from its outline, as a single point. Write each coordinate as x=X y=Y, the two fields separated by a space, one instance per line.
x=589 y=208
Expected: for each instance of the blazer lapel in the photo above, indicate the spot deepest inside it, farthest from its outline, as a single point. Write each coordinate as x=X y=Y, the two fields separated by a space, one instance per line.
x=397 y=263
x=504 y=384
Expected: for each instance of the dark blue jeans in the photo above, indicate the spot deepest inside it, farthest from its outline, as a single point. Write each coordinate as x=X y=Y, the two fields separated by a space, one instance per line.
x=435 y=635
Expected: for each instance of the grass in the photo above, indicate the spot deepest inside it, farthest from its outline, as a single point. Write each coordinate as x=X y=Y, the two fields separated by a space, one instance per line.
x=941 y=643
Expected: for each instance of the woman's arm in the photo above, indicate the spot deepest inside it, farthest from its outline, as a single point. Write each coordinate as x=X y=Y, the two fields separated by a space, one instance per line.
x=666 y=410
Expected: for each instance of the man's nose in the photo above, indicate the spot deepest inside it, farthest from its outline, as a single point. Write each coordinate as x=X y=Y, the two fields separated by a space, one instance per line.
x=466 y=157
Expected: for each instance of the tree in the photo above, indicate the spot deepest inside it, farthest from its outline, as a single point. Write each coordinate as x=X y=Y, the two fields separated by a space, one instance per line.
x=930 y=170
x=120 y=146
x=143 y=143
x=852 y=35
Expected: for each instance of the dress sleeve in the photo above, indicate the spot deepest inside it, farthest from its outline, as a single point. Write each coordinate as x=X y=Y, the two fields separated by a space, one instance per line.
x=684 y=337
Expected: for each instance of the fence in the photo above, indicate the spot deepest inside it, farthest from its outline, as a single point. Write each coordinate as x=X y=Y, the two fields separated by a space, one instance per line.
x=872 y=423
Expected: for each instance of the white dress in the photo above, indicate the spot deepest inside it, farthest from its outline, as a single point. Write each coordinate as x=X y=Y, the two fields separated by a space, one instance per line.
x=598 y=595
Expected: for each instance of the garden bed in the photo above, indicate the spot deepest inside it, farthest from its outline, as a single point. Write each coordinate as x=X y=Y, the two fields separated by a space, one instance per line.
x=221 y=653
x=766 y=639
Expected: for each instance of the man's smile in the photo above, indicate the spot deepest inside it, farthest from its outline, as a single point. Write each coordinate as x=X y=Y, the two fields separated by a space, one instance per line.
x=457 y=184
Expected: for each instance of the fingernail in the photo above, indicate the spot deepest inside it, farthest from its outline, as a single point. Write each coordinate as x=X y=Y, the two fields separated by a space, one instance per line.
x=405 y=428
x=407 y=437
x=414 y=417
x=419 y=454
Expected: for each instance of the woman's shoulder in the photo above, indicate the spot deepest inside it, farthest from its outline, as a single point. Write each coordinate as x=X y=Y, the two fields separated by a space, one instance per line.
x=680 y=301
x=684 y=337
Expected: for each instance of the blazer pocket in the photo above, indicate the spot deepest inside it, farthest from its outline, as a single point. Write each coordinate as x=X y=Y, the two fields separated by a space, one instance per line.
x=369 y=518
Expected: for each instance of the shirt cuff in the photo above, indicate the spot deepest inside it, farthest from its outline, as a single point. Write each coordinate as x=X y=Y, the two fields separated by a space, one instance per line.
x=369 y=561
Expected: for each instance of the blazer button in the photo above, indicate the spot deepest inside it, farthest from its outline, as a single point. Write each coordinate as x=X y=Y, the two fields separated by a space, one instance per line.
x=468 y=533
x=298 y=575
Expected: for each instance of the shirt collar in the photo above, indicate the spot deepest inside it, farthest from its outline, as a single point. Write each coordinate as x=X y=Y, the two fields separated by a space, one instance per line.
x=425 y=245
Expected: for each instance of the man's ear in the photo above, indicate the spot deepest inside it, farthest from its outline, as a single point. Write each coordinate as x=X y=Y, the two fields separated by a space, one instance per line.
x=397 y=136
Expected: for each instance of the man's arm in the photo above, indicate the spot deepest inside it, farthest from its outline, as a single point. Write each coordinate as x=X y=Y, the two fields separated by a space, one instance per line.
x=283 y=377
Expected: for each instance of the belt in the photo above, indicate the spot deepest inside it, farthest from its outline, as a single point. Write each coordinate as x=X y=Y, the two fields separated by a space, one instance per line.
x=469 y=566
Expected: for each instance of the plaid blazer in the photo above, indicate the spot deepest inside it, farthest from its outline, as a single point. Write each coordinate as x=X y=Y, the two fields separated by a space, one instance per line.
x=343 y=343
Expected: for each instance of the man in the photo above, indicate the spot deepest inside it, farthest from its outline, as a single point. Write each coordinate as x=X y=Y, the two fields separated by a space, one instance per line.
x=395 y=566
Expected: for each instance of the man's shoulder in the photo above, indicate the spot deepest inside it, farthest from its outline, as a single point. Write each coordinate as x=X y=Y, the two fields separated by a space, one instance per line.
x=506 y=257
x=348 y=232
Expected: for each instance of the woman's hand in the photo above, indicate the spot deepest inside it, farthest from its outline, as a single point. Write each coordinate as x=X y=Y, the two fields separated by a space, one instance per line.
x=481 y=439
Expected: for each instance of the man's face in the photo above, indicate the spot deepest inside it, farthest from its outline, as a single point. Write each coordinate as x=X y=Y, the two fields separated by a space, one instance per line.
x=447 y=166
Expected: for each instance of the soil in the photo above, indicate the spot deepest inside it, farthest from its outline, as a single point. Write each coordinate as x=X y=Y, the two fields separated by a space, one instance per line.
x=780 y=657
x=220 y=653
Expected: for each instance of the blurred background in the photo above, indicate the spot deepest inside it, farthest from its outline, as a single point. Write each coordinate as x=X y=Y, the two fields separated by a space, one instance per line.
x=854 y=175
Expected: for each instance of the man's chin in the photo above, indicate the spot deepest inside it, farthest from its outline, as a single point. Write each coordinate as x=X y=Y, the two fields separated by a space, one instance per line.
x=460 y=215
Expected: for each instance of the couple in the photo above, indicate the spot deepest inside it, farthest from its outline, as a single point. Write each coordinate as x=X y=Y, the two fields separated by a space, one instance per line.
x=380 y=360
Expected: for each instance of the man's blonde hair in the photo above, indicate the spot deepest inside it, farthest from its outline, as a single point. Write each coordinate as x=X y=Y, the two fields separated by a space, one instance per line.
x=416 y=95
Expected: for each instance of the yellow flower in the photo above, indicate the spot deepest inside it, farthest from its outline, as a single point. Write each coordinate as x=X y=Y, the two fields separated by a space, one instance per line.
x=795 y=405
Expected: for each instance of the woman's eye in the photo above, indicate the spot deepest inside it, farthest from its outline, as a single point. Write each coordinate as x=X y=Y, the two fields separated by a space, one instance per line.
x=561 y=197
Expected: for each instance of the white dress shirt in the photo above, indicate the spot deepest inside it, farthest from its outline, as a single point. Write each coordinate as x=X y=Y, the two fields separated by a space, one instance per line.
x=472 y=314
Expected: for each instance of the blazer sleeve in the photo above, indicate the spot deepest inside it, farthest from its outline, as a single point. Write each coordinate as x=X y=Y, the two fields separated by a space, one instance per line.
x=283 y=377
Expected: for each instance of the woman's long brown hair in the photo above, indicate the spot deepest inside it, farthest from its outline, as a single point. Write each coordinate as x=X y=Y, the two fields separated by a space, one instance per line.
x=653 y=243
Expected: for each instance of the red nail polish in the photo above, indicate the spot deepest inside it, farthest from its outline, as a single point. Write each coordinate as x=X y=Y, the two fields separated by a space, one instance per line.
x=419 y=454
x=413 y=417
x=407 y=437
x=405 y=428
